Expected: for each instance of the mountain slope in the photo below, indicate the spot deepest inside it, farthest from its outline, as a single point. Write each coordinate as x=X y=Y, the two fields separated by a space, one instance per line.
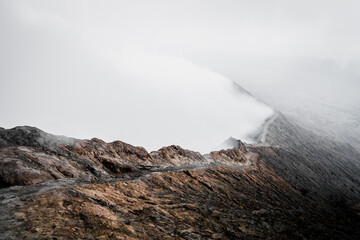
x=90 y=189
x=333 y=168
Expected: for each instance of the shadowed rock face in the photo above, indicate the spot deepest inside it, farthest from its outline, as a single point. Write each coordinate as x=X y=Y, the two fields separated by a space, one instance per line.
x=63 y=188
x=33 y=137
x=317 y=165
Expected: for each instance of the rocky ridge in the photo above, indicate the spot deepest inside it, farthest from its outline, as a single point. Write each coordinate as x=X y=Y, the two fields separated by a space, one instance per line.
x=53 y=187
x=27 y=158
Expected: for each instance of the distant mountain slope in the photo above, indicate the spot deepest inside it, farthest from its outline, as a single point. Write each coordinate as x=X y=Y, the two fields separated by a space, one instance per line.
x=331 y=167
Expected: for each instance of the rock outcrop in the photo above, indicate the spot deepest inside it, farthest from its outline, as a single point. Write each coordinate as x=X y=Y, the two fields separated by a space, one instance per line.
x=54 y=187
x=26 y=158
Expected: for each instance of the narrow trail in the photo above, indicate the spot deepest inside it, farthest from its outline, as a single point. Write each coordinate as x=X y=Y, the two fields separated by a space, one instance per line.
x=265 y=128
x=14 y=198
x=14 y=193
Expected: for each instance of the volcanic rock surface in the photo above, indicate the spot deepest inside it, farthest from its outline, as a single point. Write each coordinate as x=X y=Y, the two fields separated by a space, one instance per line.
x=54 y=187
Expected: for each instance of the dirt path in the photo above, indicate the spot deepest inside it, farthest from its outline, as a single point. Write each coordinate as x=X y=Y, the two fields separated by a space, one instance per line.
x=15 y=193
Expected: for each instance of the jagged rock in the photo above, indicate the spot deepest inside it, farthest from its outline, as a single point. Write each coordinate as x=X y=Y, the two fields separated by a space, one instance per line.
x=26 y=158
x=33 y=137
x=90 y=189
x=175 y=155
x=235 y=155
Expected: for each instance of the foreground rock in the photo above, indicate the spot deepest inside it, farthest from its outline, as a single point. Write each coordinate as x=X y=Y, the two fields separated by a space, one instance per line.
x=62 y=188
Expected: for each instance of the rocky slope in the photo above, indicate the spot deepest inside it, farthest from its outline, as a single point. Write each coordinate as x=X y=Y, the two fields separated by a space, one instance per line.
x=332 y=168
x=53 y=187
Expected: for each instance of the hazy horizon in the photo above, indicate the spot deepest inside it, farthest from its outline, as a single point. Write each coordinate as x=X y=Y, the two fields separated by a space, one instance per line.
x=156 y=73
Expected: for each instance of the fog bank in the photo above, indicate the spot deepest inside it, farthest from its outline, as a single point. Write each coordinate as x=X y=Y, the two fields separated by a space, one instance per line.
x=115 y=69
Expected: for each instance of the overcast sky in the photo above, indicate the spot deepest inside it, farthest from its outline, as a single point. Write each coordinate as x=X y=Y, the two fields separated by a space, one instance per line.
x=154 y=73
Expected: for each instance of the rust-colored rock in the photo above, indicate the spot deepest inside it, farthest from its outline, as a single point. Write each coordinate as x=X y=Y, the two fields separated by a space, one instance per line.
x=56 y=188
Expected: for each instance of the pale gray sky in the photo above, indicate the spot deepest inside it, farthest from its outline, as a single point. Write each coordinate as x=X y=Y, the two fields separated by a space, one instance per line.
x=155 y=73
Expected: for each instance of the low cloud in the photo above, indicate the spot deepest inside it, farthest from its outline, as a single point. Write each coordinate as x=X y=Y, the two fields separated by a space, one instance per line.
x=155 y=73
x=64 y=83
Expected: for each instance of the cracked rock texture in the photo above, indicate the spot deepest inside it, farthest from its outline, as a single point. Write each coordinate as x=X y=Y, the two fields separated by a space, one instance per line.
x=54 y=187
